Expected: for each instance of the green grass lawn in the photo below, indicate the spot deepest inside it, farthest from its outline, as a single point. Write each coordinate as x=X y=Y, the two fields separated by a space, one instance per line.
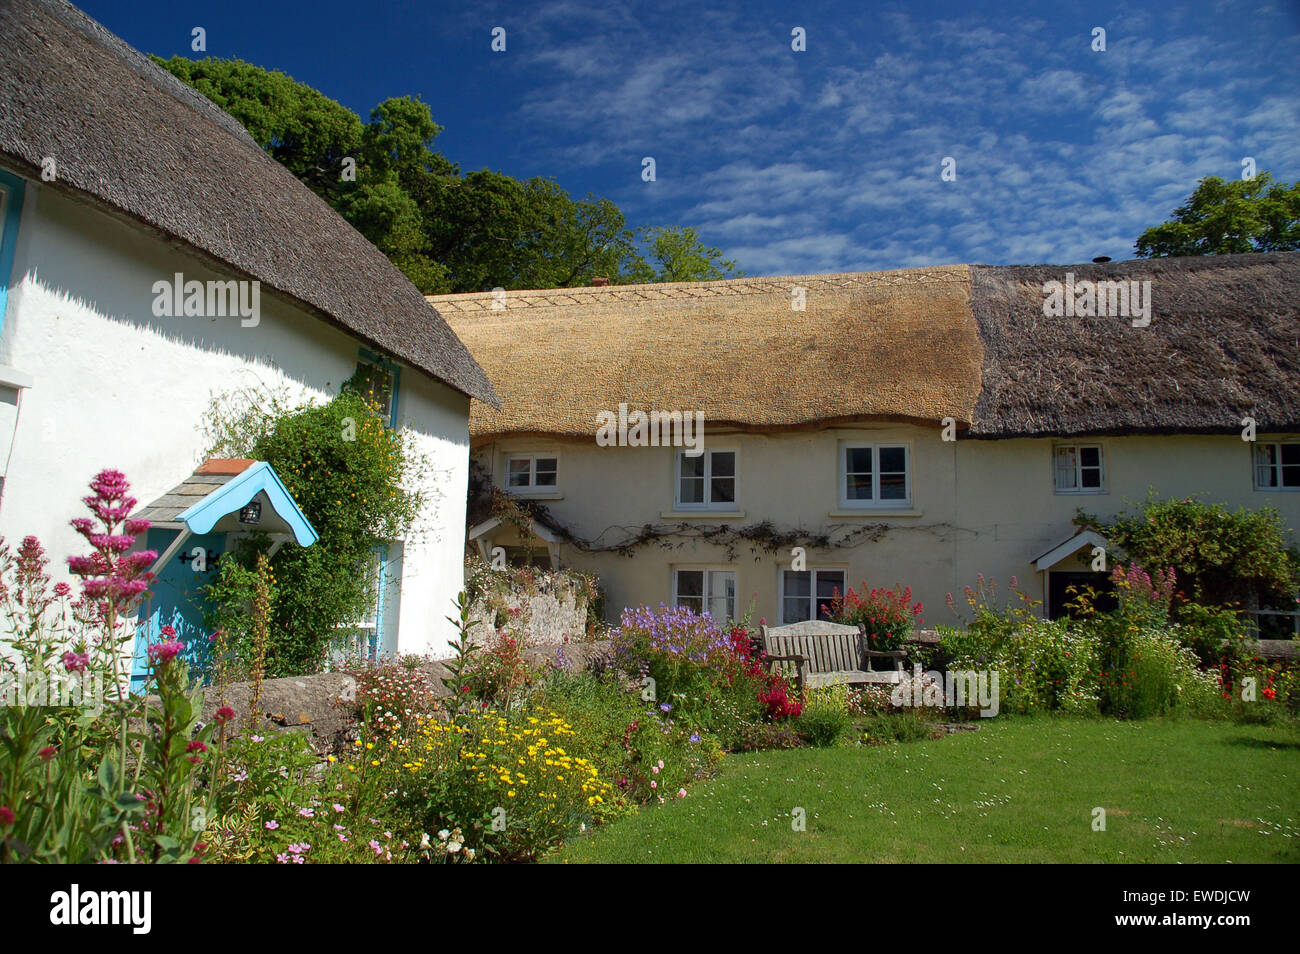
x=1018 y=790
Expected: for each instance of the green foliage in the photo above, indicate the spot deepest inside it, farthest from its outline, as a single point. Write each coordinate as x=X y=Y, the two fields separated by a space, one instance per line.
x=1222 y=218
x=677 y=255
x=825 y=716
x=358 y=482
x=1223 y=558
x=447 y=231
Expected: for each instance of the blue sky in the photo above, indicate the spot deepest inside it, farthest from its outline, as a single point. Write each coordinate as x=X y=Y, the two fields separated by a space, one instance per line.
x=825 y=160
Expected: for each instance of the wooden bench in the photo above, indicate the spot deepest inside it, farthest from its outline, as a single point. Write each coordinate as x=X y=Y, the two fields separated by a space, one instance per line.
x=826 y=654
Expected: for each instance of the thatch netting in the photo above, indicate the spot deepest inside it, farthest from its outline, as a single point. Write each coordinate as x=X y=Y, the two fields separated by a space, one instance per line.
x=884 y=345
x=130 y=137
x=1223 y=342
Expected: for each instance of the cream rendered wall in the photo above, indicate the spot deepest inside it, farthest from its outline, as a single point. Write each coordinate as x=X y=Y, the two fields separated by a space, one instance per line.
x=114 y=386
x=977 y=507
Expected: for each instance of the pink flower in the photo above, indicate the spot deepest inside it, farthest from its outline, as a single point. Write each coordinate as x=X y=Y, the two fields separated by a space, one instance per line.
x=224 y=715
x=272 y=825
x=62 y=589
x=654 y=784
x=76 y=662
x=6 y=816
x=160 y=653
x=196 y=746
x=307 y=812
x=681 y=793
x=48 y=753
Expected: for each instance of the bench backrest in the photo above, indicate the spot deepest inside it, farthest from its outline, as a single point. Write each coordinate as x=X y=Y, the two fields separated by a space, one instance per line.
x=828 y=647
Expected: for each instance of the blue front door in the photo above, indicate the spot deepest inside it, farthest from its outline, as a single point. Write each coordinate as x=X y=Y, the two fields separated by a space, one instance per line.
x=178 y=600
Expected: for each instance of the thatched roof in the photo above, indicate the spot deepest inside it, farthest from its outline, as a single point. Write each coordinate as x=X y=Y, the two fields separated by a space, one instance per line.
x=1224 y=342
x=887 y=345
x=132 y=138
x=914 y=345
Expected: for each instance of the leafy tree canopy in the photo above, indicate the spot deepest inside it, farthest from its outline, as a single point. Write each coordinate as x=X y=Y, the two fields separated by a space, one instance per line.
x=447 y=231
x=1224 y=218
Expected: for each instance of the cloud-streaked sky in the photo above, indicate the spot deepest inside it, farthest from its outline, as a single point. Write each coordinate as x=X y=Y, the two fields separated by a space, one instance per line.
x=823 y=160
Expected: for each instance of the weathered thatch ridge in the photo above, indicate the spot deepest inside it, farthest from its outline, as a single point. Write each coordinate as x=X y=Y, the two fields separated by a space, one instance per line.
x=131 y=138
x=1223 y=342
x=898 y=345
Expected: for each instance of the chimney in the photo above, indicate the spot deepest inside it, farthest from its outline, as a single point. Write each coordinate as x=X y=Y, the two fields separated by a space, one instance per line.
x=600 y=281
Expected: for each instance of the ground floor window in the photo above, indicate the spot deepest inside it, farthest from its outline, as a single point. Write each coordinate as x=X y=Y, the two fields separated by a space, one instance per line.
x=805 y=594
x=705 y=588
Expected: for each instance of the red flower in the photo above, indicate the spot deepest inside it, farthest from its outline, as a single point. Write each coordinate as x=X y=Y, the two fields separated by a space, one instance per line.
x=48 y=753
x=224 y=715
x=6 y=816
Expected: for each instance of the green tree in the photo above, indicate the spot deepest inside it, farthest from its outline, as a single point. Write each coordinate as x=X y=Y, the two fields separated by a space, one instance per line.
x=447 y=231
x=1223 y=218
x=677 y=255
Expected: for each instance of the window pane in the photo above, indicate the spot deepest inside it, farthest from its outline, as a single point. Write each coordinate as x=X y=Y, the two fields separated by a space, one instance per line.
x=859 y=487
x=690 y=583
x=724 y=464
x=519 y=470
x=1291 y=476
x=893 y=486
x=798 y=583
x=692 y=490
x=858 y=460
x=691 y=466
x=723 y=490
x=893 y=459
x=1090 y=456
x=722 y=594
x=794 y=610
x=1090 y=477
x=828 y=583
x=1290 y=454
x=547 y=465
x=1065 y=473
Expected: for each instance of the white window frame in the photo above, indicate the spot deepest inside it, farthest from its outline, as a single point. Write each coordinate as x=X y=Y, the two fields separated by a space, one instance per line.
x=875 y=503
x=1078 y=489
x=781 y=572
x=1255 y=466
x=532 y=487
x=708 y=569
x=708 y=502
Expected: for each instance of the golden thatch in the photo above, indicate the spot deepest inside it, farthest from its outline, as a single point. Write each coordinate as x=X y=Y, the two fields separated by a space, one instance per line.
x=898 y=345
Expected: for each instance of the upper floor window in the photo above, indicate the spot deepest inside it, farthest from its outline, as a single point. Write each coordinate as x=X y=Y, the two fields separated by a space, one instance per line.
x=707 y=481
x=11 y=207
x=1079 y=469
x=875 y=475
x=532 y=472
x=376 y=381
x=1277 y=465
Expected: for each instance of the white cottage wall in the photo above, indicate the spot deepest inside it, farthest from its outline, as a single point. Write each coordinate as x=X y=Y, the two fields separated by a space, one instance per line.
x=115 y=386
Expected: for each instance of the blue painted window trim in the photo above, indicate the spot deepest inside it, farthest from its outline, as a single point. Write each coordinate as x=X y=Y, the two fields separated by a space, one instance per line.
x=9 y=236
x=369 y=357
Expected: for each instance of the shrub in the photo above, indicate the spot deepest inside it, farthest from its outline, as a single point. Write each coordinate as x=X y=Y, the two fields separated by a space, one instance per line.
x=359 y=483
x=826 y=715
x=1224 y=557
x=694 y=668
x=1214 y=634
x=886 y=616
x=511 y=782
x=1045 y=666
